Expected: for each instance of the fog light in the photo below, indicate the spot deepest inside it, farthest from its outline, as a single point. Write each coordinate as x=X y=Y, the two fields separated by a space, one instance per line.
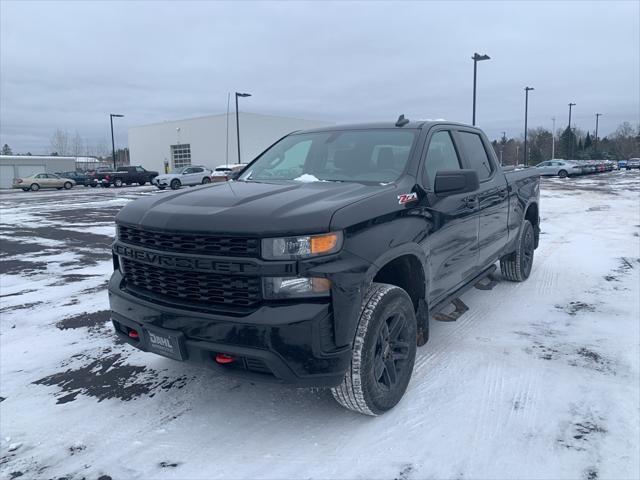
x=292 y=287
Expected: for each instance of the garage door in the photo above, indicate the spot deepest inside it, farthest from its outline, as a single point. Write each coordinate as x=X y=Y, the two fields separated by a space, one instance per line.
x=28 y=170
x=6 y=176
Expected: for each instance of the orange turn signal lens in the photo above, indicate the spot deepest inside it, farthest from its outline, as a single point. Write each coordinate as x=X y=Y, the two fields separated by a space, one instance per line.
x=324 y=243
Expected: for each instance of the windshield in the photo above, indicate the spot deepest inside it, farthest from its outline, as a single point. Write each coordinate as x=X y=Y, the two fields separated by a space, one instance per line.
x=344 y=156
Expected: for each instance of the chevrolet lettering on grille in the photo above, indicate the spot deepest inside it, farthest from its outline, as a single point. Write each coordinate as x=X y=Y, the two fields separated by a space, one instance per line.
x=182 y=262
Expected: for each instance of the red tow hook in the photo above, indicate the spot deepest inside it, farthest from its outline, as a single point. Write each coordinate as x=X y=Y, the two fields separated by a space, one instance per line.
x=133 y=334
x=224 y=359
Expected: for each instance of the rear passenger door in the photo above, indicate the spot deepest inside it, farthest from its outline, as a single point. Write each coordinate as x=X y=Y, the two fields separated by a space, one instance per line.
x=452 y=243
x=492 y=199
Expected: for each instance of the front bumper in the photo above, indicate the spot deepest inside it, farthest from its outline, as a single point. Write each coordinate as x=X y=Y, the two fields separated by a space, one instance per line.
x=290 y=343
x=160 y=182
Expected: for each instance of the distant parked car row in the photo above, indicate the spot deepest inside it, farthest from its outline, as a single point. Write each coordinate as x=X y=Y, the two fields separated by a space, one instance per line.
x=572 y=168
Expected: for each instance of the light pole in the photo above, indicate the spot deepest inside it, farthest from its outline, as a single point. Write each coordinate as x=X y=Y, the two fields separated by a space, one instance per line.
x=553 y=138
x=570 y=132
x=598 y=115
x=526 y=113
x=238 y=120
x=113 y=144
x=476 y=58
x=503 y=140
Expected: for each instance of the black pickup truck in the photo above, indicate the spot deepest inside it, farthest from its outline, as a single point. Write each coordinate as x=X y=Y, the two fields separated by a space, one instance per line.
x=322 y=263
x=125 y=176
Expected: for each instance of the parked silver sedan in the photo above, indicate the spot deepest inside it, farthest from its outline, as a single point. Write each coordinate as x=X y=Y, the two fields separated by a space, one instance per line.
x=559 y=168
x=43 y=180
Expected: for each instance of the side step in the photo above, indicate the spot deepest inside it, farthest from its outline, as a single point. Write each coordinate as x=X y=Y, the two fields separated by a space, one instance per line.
x=483 y=281
x=460 y=309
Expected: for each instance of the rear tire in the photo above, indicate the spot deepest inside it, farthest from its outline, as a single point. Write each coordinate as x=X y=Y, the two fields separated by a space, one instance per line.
x=175 y=184
x=25 y=189
x=384 y=352
x=142 y=184
x=68 y=185
x=206 y=180
x=117 y=182
x=517 y=265
x=34 y=187
x=161 y=188
x=562 y=174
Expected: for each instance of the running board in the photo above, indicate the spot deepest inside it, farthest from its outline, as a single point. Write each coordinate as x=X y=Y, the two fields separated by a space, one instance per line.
x=487 y=283
x=460 y=308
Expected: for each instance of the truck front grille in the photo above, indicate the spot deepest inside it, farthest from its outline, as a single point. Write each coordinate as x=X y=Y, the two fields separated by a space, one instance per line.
x=209 y=288
x=191 y=242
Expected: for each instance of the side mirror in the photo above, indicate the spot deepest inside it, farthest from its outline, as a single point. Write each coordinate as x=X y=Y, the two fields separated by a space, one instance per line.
x=453 y=182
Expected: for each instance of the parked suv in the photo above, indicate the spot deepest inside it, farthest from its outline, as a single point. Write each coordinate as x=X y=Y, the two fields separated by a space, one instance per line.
x=191 y=175
x=322 y=263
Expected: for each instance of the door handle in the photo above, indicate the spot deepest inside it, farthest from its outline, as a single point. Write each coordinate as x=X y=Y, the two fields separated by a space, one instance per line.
x=471 y=202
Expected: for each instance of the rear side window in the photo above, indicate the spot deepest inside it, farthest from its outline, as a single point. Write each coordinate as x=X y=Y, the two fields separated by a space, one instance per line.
x=441 y=155
x=476 y=154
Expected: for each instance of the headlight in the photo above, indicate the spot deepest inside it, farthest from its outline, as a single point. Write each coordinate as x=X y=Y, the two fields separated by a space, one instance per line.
x=292 y=287
x=293 y=248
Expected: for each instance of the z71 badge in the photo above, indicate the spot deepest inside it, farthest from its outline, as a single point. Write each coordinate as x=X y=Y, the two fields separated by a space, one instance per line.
x=407 y=197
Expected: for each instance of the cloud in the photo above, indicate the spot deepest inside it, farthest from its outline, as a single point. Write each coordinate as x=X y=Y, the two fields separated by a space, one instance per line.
x=69 y=64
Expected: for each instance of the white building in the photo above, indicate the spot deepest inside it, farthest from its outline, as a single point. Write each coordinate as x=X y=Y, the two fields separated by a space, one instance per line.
x=209 y=140
x=14 y=166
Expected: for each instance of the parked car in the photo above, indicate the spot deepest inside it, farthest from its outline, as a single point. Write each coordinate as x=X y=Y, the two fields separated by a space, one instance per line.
x=80 y=178
x=321 y=265
x=222 y=173
x=43 y=180
x=125 y=176
x=191 y=175
x=633 y=163
x=622 y=164
x=559 y=168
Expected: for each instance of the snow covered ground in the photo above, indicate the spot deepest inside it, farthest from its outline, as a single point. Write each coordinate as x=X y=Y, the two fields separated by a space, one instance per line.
x=536 y=380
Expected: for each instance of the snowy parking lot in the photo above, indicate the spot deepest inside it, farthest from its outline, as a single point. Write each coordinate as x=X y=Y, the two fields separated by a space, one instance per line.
x=536 y=380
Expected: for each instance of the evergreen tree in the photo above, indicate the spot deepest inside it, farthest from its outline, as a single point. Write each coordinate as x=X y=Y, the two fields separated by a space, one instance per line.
x=566 y=145
x=587 y=142
x=6 y=150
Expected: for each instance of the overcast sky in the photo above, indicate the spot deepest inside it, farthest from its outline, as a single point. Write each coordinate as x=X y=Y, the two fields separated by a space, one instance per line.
x=68 y=65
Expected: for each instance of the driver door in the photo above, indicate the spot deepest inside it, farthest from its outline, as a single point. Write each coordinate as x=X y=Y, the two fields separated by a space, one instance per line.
x=453 y=240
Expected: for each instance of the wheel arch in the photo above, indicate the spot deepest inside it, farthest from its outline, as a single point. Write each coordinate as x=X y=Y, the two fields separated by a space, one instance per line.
x=406 y=267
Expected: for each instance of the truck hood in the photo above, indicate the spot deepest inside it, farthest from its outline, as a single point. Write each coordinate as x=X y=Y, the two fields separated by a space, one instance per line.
x=253 y=208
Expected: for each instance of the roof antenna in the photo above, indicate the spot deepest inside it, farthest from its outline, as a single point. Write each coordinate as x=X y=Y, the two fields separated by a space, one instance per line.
x=401 y=122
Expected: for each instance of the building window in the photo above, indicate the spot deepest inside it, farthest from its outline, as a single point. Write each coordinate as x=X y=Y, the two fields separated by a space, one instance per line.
x=181 y=155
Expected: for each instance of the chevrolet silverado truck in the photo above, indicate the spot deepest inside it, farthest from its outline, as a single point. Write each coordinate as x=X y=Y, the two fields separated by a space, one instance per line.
x=321 y=264
x=125 y=176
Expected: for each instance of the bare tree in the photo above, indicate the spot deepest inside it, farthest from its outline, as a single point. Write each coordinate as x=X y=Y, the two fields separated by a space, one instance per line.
x=625 y=140
x=60 y=142
x=77 y=145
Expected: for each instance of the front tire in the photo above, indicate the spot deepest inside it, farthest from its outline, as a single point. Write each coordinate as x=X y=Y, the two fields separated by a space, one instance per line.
x=142 y=184
x=117 y=182
x=383 y=354
x=517 y=265
x=175 y=184
x=161 y=187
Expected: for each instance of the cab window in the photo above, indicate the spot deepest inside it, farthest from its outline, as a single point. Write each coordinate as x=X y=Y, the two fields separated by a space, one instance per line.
x=475 y=154
x=441 y=155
